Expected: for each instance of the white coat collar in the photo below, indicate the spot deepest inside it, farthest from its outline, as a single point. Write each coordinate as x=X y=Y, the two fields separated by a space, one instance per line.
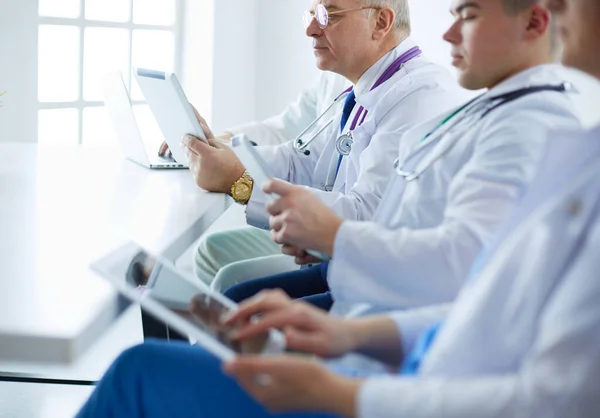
x=370 y=77
x=553 y=74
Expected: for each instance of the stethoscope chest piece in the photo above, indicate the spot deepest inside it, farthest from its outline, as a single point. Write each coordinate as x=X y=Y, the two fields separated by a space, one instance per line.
x=343 y=144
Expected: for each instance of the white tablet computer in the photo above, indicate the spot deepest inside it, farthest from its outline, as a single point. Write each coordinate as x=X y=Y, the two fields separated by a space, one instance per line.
x=171 y=109
x=182 y=302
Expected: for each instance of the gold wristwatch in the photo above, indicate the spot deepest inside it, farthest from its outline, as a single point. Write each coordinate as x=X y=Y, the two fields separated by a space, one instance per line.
x=242 y=189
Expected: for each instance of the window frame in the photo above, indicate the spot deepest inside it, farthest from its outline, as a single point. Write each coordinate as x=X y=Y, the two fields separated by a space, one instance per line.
x=82 y=23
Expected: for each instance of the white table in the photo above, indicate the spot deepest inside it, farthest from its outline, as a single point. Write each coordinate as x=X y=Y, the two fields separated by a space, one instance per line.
x=62 y=208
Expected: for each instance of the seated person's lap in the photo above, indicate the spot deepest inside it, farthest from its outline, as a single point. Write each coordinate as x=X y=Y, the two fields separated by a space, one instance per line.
x=158 y=380
x=309 y=283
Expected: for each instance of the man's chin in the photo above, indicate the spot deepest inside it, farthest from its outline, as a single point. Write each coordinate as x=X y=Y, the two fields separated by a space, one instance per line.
x=324 y=64
x=468 y=81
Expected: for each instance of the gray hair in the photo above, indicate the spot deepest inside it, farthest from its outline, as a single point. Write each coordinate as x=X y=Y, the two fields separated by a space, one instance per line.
x=400 y=8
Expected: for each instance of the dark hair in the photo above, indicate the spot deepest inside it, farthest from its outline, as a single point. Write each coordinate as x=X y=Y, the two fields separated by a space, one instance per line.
x=516 y=6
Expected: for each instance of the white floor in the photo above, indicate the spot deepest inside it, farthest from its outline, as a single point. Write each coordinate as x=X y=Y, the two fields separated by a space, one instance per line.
x=20 y=400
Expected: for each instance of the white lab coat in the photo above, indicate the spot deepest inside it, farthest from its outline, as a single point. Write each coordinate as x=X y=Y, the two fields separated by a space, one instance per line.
x=297 y=115
x=523 y=338
x=417 y=92
x=428 y=231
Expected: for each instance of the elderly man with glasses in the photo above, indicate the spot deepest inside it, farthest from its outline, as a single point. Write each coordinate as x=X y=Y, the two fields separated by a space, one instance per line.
x=394 y=87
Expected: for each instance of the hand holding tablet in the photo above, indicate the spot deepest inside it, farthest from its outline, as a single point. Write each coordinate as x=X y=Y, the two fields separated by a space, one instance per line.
x=171 y=109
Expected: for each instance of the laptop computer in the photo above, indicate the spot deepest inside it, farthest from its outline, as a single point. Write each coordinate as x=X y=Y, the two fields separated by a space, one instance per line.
x=121 y=114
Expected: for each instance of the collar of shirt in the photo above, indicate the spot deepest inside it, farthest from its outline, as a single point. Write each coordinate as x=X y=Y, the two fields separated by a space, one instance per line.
x=368 y=79
x=552 y=74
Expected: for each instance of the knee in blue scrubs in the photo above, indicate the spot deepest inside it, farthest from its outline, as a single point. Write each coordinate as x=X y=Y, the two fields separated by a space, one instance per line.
x=155 y=380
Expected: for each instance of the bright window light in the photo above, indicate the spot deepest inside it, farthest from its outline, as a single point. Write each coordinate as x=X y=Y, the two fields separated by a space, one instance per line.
x=154 y=12
x=58 y=126
x=97 y=126
x=82 y=40
x=108 y=10
x=105 y=49
x=58 y=60
x=62 y=8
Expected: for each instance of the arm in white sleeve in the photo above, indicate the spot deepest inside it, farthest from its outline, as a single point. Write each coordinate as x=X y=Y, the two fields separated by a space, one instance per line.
x=284 y=163
x=559 y=376
x=376 y=162
x=413 y=323
x=417 y=267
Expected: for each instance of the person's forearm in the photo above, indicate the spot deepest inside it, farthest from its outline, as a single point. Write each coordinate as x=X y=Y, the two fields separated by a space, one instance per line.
x=377 y=337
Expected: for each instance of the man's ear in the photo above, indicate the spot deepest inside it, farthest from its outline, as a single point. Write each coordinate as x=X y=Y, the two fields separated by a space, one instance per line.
x=385 y=20
x=538 y=22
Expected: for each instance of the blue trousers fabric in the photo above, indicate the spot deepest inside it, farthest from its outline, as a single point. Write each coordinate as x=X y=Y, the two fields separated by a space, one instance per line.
x=177 y=380
x=309 y=284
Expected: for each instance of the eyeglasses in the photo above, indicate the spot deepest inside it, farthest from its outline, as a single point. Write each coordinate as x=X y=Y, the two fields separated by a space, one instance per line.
x=322 y=15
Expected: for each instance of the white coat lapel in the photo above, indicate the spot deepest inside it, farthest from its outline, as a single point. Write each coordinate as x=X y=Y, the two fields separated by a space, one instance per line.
x=419 y=134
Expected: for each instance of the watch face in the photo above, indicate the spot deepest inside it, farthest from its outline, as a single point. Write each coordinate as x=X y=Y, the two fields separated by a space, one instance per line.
x=242 y=191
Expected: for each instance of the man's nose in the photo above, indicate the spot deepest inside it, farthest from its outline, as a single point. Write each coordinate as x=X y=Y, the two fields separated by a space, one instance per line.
x=313 y=29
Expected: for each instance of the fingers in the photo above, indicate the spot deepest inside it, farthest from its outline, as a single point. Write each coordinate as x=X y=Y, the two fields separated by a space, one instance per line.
x=195 y=145
x=265 y=301
x=164 y=148
x=276 y=223
x=279 y=187
x=275 y=207
x=307 y=259
x=297 y=315
x=314 y=343
x=275 y=319
x=205 y=128
x=293 y=251
x=253 y=365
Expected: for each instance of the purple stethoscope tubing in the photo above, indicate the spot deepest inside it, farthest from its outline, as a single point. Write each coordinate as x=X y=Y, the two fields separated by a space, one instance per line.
x=387 y=74
x=362 y=113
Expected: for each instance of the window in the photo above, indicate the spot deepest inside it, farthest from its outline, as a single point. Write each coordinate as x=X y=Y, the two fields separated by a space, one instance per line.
x=81 y=40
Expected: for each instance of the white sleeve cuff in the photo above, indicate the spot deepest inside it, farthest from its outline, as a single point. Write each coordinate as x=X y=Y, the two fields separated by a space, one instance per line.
x=256 y=214
x=412 y=323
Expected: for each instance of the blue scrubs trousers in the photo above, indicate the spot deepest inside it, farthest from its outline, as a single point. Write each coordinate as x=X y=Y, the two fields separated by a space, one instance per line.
x=176 y=380
x=309 y=284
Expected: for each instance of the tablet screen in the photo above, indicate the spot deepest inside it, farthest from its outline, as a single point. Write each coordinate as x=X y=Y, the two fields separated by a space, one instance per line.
x=143 y=277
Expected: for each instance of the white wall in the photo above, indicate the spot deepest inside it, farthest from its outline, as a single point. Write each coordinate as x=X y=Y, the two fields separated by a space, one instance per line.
x=430 y=20
x=18 y=65
x=285 y=62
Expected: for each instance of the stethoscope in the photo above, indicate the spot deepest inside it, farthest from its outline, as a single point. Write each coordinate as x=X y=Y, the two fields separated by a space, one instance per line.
x=343 y=143
x=302 y=145
x=387 y=213
x=485 y=107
